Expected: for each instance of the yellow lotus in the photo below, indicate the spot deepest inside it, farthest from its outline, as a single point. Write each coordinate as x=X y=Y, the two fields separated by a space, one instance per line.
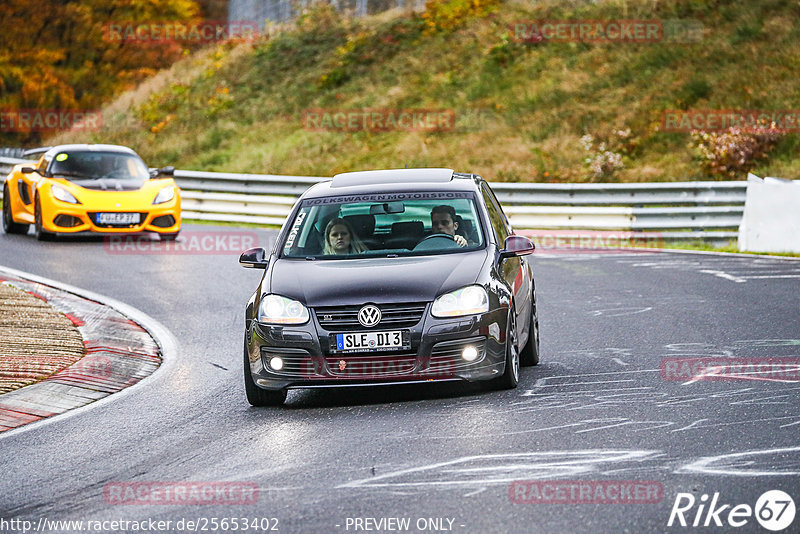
x=104 y=189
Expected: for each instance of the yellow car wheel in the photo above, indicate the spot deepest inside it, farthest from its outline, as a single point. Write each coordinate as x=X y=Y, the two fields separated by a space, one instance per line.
x=41 y=233
x=9 y=226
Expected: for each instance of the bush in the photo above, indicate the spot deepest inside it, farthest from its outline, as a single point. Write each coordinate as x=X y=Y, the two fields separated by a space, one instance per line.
x=447 y=15
x=605 y=158
x=734 y=151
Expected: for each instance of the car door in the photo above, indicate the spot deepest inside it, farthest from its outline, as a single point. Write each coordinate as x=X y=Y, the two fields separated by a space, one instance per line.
x=513 y=270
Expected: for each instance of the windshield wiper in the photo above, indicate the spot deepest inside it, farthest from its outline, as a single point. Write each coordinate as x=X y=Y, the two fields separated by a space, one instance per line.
x=72 y=174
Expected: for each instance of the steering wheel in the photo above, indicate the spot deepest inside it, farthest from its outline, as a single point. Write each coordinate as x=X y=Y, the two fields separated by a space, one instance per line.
x=430 y=245
x=448 y=236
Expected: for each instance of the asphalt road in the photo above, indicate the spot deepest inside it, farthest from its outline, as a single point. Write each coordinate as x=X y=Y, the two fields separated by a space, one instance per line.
x=598 y=408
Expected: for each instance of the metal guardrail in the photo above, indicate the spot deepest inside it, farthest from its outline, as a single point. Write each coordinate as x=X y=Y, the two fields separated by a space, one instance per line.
x=673 y=210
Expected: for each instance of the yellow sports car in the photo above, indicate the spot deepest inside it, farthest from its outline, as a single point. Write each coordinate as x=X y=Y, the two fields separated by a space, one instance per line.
x=104 y=189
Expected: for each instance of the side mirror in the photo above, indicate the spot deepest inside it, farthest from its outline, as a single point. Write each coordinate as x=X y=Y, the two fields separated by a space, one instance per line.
x=254 y=258
x=166 y=171
x=27 y=170
x=517 y=245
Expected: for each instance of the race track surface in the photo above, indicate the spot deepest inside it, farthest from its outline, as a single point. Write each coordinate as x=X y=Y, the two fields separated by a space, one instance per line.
x=604 y=405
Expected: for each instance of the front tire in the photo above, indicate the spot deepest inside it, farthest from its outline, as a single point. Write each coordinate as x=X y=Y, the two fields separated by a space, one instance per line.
x=41 y=233
x=257 y=396
x=169 y=237
x=510 y=377
x=9 y=226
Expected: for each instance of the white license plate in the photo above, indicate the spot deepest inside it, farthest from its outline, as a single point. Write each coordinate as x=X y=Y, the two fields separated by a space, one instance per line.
x=118 y=218
x=367 y=341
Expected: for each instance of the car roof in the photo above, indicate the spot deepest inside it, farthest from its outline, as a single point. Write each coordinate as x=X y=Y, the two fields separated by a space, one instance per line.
x=394 y=180
x=88 y=148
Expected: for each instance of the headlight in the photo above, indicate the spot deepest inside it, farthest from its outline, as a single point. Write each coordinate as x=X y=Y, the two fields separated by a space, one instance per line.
x=63 y=195
x=275 y=309
x=165 y=195
x=465 y=301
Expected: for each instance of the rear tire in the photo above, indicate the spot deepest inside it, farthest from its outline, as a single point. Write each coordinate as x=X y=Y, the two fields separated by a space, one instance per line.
x=529 y=355
x=257 y=396
x=41 y=233
x=9 y=226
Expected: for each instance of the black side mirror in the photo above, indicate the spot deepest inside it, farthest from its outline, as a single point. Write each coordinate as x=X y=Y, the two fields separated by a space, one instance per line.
x=166 y=171
x=254 y=258
x=517 y=245
x=28 y=170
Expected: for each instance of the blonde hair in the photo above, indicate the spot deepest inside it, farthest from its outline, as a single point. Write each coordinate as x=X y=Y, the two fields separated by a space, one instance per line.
x=356 y=245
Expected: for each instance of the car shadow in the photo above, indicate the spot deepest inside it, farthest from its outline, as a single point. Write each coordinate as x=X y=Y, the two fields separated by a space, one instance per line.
x=300 y=399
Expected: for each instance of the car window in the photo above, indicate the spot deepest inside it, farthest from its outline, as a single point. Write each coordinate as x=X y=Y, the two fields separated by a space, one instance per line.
x=89 y=166
x=383 y=224
x=496 y=217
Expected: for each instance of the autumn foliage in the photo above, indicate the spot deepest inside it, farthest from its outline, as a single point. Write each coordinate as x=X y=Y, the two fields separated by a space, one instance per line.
x=56 y=55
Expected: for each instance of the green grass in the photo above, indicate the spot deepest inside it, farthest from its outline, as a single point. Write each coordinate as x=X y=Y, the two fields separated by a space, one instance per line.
x=731 y=247
x=521 y=108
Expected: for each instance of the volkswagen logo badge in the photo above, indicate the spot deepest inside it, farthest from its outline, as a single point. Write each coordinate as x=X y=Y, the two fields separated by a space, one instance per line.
x=369 y=315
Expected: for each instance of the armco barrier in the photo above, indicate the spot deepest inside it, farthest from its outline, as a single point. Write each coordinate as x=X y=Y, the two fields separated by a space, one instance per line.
x=710 y=211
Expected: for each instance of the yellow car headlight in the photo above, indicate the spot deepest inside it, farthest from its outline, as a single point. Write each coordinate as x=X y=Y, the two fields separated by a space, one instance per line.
x=165 y=195
x=63 y=195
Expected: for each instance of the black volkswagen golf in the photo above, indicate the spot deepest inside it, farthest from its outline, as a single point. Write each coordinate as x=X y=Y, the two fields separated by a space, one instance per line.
x=380 y=277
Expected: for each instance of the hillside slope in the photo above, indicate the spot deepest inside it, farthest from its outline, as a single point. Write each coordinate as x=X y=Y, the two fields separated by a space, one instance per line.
x=520 y=109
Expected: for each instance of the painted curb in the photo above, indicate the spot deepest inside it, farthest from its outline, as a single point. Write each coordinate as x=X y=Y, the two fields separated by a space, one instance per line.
x=115 y=367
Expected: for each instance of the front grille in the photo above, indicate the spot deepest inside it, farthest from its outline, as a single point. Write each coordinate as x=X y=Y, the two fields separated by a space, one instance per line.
x=163 y=221
x=333 y=318
x=371 y=366
x=67 y=221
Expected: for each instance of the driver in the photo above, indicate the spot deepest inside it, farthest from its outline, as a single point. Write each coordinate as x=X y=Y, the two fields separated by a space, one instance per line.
x=443 y=221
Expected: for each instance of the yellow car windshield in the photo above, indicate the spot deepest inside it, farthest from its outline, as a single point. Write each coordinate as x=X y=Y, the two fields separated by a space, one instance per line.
x=100 y=170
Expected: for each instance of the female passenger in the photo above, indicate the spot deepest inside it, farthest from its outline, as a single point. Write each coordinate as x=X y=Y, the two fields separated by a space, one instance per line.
x=341 y=239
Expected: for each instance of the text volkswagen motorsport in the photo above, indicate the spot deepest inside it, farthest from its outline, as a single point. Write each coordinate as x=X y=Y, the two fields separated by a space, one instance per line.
x=382 y=276
x=90 y=188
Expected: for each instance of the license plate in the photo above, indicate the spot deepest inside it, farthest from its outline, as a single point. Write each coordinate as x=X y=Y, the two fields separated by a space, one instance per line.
x=370 y=341
x=118 y=218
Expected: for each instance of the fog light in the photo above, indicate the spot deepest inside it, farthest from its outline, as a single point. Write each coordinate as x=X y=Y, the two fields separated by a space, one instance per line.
x=276 y=363
x=470 y=354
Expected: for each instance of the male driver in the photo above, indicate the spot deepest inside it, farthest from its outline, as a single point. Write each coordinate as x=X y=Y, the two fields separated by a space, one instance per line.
x=443 y=221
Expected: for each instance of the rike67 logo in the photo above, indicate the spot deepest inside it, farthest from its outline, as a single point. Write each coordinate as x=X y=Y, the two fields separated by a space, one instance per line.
x=774 y=510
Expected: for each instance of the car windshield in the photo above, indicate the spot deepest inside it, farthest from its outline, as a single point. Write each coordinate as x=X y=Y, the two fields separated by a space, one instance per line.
x=400 y=224
x=128 y=169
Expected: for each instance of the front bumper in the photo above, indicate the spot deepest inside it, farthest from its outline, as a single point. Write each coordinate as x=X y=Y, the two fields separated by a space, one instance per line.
x=63 y=218
x=435 y=354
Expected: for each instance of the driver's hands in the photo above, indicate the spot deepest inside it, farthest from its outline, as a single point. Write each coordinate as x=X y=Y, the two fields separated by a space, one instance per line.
x=460 y=240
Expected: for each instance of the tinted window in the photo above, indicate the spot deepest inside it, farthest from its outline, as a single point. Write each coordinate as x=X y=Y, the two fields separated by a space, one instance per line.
x=495 y=216
x=383 y=224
